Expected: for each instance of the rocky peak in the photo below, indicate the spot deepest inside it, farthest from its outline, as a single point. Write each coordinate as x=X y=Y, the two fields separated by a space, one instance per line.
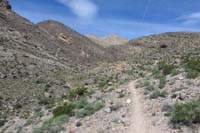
x=4 y=4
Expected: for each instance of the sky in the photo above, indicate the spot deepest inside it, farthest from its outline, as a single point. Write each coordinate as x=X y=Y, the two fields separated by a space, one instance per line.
x=127 y=18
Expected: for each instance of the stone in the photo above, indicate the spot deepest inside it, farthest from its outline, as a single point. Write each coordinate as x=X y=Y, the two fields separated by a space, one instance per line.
x=78 y=124
x=128 y=101
x=46 y=94
x=115 y=107
x=167 y=106
x=66 y=86
x=117 y=121
x=5 y=4
x=2 y=76
x=108 y=110
x=2 y=122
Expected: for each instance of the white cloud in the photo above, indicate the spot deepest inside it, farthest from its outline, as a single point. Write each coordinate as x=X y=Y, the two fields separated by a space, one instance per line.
x=191 y=19
x=84 y=9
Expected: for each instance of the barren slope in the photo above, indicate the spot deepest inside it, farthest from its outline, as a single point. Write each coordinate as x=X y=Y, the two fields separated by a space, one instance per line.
x=109 y=40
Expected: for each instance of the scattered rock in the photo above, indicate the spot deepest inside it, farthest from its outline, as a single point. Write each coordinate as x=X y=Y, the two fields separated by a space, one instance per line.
x=2 y=76
x=167 y=106
x=2 y=122
x=108 y=110
x=128 y=101
x=46 y=94
x=117 y=121
x=66 y=86
x=115 y=107
x=78 y=124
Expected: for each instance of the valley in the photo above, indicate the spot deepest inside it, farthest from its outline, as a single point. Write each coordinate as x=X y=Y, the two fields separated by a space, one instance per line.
x=56 y=80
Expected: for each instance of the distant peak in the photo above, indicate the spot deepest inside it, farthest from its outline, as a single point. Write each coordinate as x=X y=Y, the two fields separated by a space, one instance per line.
x=4 y=4
x=114 y=37
x=108 y=40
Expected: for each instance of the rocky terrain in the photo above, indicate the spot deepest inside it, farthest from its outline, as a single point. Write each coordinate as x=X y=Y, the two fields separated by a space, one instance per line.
x=109 y=40
x=55 y=80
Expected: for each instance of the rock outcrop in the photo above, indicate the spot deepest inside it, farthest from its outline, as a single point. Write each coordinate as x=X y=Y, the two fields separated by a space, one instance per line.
x=4 y=4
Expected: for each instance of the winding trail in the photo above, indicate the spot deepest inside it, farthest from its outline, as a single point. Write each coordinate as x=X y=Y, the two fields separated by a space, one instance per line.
x=140 y=122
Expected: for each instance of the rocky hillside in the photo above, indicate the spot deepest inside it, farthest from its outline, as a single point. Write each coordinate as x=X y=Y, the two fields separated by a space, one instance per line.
x=73 y=40
x=109 y=40
x=36 y=67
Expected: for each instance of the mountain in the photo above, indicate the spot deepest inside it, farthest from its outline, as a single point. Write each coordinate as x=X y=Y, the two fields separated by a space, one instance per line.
x=73 y=40
x=109 y=40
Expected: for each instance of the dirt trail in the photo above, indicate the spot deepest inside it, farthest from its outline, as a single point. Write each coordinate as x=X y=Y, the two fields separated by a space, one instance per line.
x=140 y=122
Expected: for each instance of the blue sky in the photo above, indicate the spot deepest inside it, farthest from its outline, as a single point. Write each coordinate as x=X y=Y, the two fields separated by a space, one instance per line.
x=128 y=18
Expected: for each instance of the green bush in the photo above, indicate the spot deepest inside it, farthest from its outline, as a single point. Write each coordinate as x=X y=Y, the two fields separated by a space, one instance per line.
x=81 y=103
x=192 y=62
x=158 y=93
x=80 y=108
x=46 y=101
x=162 y=82
x=166 y=68
x=142 y=84
x=192 y=65
x=89 y=109
x=103 y=83
x=53 y=125
x=65 y=109
x=192 y=74
x=186 y=113
x=78 y=92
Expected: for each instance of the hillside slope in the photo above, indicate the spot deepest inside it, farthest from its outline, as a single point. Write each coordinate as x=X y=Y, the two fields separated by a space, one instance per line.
x=109 y=40
x=73 y=40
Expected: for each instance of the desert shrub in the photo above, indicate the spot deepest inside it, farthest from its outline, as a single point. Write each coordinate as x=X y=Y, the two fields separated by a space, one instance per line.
x=53 y=125
x=39 y=114
x=80 y=108
x=158 y=93
x=192 y=65
x=81 y=103
x=65 y=109
x=39 y=81
x=78 y=92
x=103 y=83
x=192 y=62
x=185 y=113
x=166 y=68
x=142 y=84
x=89 y=109
x=162 y=82
x=46 y=101
x=192 y=74
x=150 y=88
x=156 y=73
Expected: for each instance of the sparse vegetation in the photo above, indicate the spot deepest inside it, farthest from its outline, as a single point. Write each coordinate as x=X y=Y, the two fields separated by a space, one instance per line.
x=192 y=66
x=158 y=93
x=145 y=83
x=78 y=92
x=53 y=125
x=186 y=113
x=166 y=68
x=80 y=108
x=65 y=109
x=192 y=74
x=89 y=109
